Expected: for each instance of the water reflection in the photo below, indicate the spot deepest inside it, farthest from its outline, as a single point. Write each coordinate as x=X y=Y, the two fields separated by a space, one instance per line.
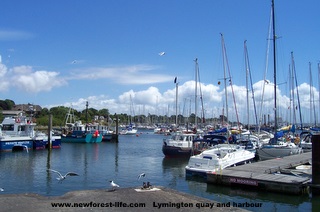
x=23 y=172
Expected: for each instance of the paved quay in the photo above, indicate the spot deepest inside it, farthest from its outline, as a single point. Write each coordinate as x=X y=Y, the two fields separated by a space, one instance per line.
x=123 y=199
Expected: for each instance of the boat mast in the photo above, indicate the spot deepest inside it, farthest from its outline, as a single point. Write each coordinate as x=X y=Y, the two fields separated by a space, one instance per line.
x=87 y=115
x=274 y=68
x=225 y=78
x=225 y=60
x=312 y=105
x=175 y=82
x=196 y=92
x=319 y=89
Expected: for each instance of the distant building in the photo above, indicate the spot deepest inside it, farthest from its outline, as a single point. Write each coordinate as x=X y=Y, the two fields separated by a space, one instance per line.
x=10 y=113
x=28 y=108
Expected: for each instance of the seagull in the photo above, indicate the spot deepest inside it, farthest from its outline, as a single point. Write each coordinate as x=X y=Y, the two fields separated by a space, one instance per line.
x=141 y=175
x=1 y=189
x=162 y=53
x=113 y=185
x=74 y=62
x=62 y=177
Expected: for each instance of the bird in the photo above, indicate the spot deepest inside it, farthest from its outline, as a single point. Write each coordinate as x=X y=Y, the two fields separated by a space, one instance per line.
x=1 y=189
x=162 y=53
x=113 y=185
x=63 y=177
x=141 y=175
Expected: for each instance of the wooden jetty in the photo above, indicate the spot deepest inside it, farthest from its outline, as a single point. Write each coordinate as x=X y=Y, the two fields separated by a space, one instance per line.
x=266 y=175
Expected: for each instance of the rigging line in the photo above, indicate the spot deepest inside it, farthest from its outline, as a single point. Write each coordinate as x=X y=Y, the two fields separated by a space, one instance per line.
x=296 y=81
x=201 y=97
x=265 y=72
x=234 y=99
x=252 y=91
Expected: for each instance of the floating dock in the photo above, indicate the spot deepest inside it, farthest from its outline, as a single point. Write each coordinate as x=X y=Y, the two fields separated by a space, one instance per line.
x=266 y=175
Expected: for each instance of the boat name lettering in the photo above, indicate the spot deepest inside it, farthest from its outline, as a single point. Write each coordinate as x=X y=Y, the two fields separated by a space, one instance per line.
x=244 y=181
x=17 y=143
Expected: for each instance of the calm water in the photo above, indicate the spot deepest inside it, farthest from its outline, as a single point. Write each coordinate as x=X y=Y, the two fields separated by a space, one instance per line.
x=22 y=172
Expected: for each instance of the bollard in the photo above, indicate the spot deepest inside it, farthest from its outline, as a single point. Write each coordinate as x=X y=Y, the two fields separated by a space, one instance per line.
x=315 y=164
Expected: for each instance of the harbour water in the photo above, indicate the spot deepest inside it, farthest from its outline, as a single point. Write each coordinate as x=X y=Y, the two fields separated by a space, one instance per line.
x=96 y=164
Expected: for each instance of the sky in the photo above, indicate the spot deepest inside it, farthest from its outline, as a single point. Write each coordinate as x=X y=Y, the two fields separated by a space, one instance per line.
x=108 y=52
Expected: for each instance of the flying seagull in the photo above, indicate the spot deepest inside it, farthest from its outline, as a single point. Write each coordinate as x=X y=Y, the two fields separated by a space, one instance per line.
x=1 y=189
x=141 y=175
x=62 y=177
x=162 y=53
x=113 y=185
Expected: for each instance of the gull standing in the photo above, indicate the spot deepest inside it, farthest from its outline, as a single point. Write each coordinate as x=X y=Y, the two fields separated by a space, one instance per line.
x=113 y=185
x=62 y=177
x=141 y=175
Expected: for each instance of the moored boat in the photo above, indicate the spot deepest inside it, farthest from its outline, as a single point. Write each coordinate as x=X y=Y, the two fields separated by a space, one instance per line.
x=278 y=148
x=129 y=130
x=81 y=133
x=18 y=133
x=217 y=158
x=179 y=145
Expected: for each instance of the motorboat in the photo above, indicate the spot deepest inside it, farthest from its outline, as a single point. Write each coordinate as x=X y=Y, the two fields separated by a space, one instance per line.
x=306 y=141
x=217 y=158
x=178 y=145
x=18 y=133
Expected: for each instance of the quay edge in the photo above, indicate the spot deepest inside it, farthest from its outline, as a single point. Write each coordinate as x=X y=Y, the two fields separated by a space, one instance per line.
x=152 y=199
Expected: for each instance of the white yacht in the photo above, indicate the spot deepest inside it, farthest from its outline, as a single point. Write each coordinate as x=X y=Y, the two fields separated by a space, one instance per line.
x=278 y=149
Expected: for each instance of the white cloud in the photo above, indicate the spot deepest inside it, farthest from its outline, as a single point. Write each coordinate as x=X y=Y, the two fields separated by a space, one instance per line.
x=129 y=75
x=26 y=79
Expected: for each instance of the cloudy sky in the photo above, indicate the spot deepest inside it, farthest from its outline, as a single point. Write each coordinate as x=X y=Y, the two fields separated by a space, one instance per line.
x=108 y=52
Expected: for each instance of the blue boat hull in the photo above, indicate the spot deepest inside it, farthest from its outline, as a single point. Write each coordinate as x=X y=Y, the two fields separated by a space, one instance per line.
x=6 y=146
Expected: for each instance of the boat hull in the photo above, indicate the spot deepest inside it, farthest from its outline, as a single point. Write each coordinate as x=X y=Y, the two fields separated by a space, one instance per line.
x=13 y=145
x=269 y=152
x=89 y=138
x=217 y=159
x=173 y=151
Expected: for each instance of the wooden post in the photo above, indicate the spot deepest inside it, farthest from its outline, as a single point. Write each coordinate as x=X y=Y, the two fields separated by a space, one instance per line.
x=315 y=165
x=50 y=132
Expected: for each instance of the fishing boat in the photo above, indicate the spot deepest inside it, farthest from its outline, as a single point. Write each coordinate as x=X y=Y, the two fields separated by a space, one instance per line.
x=81 y=133
x=18 y=133
x=76 y=132
x=216 y=159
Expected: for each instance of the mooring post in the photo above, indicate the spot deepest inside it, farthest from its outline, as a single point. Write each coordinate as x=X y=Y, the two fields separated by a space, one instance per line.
x=49 y=132
x=315 y=164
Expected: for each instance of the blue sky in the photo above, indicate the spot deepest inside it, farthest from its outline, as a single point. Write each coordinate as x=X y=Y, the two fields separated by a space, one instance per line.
x=106 y=52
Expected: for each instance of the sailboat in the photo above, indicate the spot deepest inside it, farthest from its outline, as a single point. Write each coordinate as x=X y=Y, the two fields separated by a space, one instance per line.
x=278 y=146
x=181 y=142
x=130 y=129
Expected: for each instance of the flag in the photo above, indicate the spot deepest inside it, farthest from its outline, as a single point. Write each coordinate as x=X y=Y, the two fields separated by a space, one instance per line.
x=175 y=80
